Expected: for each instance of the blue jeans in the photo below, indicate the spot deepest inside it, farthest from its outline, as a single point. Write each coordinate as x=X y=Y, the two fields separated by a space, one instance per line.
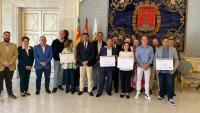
x=58 y=74
x=165 y=83
x=95 y=74
x=39 y=73
x=69 y=78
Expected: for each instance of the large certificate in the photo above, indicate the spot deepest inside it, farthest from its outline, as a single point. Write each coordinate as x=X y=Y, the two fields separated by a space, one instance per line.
x=66 y=58
x=107 y=61
x=164 y=64
x=125 y=63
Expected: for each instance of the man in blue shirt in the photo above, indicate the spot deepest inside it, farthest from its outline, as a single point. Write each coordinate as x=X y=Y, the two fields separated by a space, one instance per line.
x=165 y=76
x=144 y=56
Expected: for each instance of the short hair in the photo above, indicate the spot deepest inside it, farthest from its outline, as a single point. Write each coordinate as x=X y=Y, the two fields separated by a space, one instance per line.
x=108 y=39
x=100 y=33
x=25 y=37
x=6 y=32
x=42 y=37
x=85 y=34
x=165 y=37
x=115 y=36
x=67 y=43
x=144 y=36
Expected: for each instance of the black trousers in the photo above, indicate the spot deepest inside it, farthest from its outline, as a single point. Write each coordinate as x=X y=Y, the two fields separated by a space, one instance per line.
x=116 y=79
x=125 y=77
x=7 y=75
x=24 y=78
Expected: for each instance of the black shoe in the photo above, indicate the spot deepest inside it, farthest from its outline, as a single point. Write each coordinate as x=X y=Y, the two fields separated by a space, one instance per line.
x=60 y=87
x=72 y=92
x=37 y=92
x=54 y=90
x=23 y=94
x=80 y=93
x=121 y=95
x=27 y=93
x=91 y=94
x=98 y=94
x=12 y=96
x=67 y=91
x=127 y=96
x=94 y=88
x=48 y=91
x=109 y=94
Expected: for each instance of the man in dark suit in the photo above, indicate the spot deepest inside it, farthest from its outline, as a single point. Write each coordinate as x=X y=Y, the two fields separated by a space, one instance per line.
x=43 y=55
x=97 y=46
x=106 y=71
x=118 y=48
x=85 y=59
x=25 y=64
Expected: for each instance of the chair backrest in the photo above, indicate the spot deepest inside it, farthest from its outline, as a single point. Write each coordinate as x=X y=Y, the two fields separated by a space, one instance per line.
x=185 y=67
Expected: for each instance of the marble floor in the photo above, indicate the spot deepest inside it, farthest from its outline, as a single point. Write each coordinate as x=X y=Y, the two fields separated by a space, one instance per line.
x=186 y=102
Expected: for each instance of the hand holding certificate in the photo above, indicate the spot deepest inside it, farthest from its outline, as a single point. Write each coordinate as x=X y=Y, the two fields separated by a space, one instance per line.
x=164 y=64
x=67 y=58
x=125 y=63
x=107 y=61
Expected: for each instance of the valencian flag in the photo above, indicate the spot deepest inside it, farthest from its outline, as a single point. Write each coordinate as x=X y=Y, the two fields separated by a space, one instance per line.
x=78 y=33
x=86 y=25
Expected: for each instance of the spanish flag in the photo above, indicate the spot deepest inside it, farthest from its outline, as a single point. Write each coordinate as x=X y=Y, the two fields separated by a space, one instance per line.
x=86 y=25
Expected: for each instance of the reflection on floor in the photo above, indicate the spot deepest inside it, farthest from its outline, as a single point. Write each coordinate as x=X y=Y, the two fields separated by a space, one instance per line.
x=186 y=102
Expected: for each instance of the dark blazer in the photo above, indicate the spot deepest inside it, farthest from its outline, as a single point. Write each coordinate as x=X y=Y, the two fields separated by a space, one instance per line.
x=39 y=56
x=103 y=52
x=85 y=54
x=25 y=59
x=95 y=44
x=118 y=48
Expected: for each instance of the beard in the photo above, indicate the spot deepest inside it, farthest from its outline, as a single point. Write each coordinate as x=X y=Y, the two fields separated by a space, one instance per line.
x=6 y=39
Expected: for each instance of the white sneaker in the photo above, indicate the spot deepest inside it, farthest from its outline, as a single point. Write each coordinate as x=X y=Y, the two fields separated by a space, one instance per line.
x=137 y=95
x=160 y=99
x=171 y=102
x=147 y=97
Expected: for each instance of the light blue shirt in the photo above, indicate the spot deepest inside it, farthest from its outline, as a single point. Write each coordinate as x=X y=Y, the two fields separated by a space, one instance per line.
x=144 y=55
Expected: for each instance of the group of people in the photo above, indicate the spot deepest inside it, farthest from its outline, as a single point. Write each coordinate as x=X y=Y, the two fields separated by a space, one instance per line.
x=87 y=61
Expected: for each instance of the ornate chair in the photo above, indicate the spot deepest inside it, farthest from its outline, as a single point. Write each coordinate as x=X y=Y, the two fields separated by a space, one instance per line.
x=190 y=72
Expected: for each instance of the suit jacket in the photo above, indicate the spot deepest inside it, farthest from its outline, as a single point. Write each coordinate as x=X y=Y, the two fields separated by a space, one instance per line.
x=39 y=56
x=95 y=45
x=24 y=58
x=85 y=54
x=103 y=52
x=8 y=53
x=172 y=54
x=118 y=48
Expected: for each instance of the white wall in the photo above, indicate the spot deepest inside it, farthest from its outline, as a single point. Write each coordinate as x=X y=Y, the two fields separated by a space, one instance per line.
x=192 y=29
x=67 y=14
x=92 y=9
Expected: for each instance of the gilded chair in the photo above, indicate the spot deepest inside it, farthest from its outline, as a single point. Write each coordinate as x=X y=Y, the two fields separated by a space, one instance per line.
x=190 y=72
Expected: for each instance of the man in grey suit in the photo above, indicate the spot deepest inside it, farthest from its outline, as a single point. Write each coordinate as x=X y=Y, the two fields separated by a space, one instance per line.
x=165 y=82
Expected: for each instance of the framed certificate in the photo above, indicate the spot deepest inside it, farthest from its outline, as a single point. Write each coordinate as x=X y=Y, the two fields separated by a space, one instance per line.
x=125 y=63
x=66 y=58
x=107 y=61
x=164 y=64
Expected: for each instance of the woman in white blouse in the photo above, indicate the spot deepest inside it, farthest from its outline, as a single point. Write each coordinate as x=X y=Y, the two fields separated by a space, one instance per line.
x=125 y=74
